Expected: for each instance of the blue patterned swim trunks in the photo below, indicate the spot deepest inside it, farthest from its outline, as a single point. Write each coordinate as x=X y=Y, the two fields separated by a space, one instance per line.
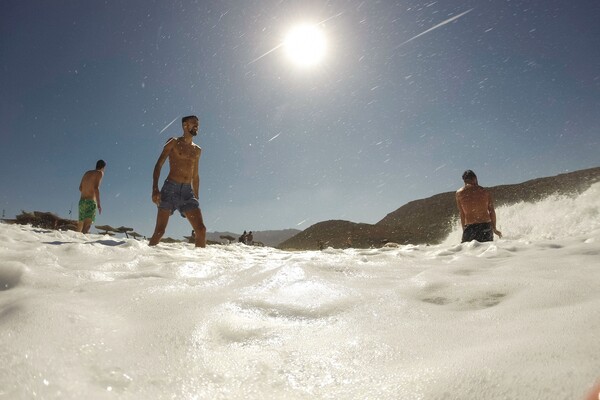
x=178 y=196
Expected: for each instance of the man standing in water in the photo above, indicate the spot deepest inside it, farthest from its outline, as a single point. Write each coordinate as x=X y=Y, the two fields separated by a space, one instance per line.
x=90 y=197
x=476 y=208
x=180 y=190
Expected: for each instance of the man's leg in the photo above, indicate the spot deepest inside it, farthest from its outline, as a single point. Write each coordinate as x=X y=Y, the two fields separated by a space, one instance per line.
x=80 y=218
x=487 y=233
x=467 y=235
x=87 y=223
x=162 y=219
x=195 y=218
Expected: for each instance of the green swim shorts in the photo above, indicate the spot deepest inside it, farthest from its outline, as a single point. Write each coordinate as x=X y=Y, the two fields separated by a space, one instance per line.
x=87 y=209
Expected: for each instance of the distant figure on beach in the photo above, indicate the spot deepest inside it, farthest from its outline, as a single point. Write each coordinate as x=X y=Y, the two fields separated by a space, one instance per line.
x=250 y=239
x=243 y=238
x=90 y=197
x=180 y=190
x=476 y=208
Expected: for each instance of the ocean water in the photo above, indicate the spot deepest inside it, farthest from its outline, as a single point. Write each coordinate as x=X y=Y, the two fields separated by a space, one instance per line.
x=97 y=317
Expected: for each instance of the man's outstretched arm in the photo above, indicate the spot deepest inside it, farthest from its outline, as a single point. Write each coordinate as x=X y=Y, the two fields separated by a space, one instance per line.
x=157 y=167
x=460 y=211
x=492 y=212
x=196 y=177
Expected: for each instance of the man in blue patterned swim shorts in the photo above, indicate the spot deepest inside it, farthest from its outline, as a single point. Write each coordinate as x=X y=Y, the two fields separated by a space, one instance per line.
x=180 y=190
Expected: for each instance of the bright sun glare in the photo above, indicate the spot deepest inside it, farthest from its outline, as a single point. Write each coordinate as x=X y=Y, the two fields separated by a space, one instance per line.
x=305 y=45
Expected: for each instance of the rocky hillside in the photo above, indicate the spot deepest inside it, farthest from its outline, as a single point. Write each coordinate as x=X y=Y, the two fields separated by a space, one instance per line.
x=268 y=238
x=430 y=220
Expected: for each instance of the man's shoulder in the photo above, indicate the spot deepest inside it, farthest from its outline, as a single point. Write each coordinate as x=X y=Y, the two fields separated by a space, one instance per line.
x=92 y=172
x=93 y=175
x=197 y=149
x=97 y=174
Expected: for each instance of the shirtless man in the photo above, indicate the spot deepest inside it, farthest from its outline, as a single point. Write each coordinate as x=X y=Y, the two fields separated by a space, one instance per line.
x=476 y=208
x=180 y=190
x=90 y=197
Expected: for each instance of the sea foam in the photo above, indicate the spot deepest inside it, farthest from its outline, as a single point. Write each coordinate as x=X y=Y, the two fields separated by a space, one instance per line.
x=100 y=317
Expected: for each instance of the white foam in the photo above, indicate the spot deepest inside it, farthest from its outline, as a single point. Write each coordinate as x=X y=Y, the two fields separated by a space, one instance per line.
x=96 y=317
x=556 y=217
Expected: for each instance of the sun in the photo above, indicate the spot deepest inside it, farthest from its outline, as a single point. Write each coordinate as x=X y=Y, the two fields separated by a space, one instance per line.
x=305 y=45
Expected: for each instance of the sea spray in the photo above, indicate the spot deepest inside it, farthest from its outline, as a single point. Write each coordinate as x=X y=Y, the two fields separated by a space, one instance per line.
x=555 y=217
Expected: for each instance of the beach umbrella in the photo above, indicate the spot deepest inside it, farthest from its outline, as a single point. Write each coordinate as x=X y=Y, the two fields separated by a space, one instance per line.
x=105 y=229
x=170 y=240
x=123 y=229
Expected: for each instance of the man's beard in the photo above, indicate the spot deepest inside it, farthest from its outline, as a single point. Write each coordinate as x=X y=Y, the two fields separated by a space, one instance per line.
x=193 y=132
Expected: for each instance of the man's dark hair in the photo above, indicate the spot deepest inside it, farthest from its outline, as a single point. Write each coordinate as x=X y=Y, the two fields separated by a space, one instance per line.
x=100 y=164
x=468 y=175
x=185 y=119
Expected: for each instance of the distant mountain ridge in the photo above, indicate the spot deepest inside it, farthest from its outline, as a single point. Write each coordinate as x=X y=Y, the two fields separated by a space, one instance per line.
x=269 y=238
x=430 y=220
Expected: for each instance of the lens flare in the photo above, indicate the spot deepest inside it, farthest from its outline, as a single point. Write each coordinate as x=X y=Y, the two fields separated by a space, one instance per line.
x=305 y=45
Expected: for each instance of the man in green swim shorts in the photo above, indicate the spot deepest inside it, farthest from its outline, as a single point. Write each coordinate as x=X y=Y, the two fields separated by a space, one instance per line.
x=90 y=197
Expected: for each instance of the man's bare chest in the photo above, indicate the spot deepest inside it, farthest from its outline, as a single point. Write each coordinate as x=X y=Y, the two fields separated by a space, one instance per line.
x=184 y=152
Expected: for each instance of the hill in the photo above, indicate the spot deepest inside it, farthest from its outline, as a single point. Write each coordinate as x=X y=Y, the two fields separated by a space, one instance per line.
x=430 y=220
x=268 y=238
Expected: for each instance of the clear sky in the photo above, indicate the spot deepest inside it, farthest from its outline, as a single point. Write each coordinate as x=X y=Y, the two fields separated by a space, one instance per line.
x=510 y=89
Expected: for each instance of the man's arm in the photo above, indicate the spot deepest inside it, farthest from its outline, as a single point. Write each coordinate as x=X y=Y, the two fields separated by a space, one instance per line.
x=492 y=213
x=460 y=211
x=159 y=163
x=196 y=177
x=81 y=182
x=97 y=182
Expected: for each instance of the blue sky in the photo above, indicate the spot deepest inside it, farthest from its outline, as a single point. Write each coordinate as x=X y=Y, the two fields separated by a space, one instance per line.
x=511 y=90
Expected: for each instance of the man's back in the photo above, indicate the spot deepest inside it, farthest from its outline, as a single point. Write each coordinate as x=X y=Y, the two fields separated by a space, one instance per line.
x=474 y=202
x=90 y=183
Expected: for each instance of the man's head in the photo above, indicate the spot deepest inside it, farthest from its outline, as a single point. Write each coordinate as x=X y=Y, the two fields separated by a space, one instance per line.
x=100 y=164
x=469 y=177
x=190 y=124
